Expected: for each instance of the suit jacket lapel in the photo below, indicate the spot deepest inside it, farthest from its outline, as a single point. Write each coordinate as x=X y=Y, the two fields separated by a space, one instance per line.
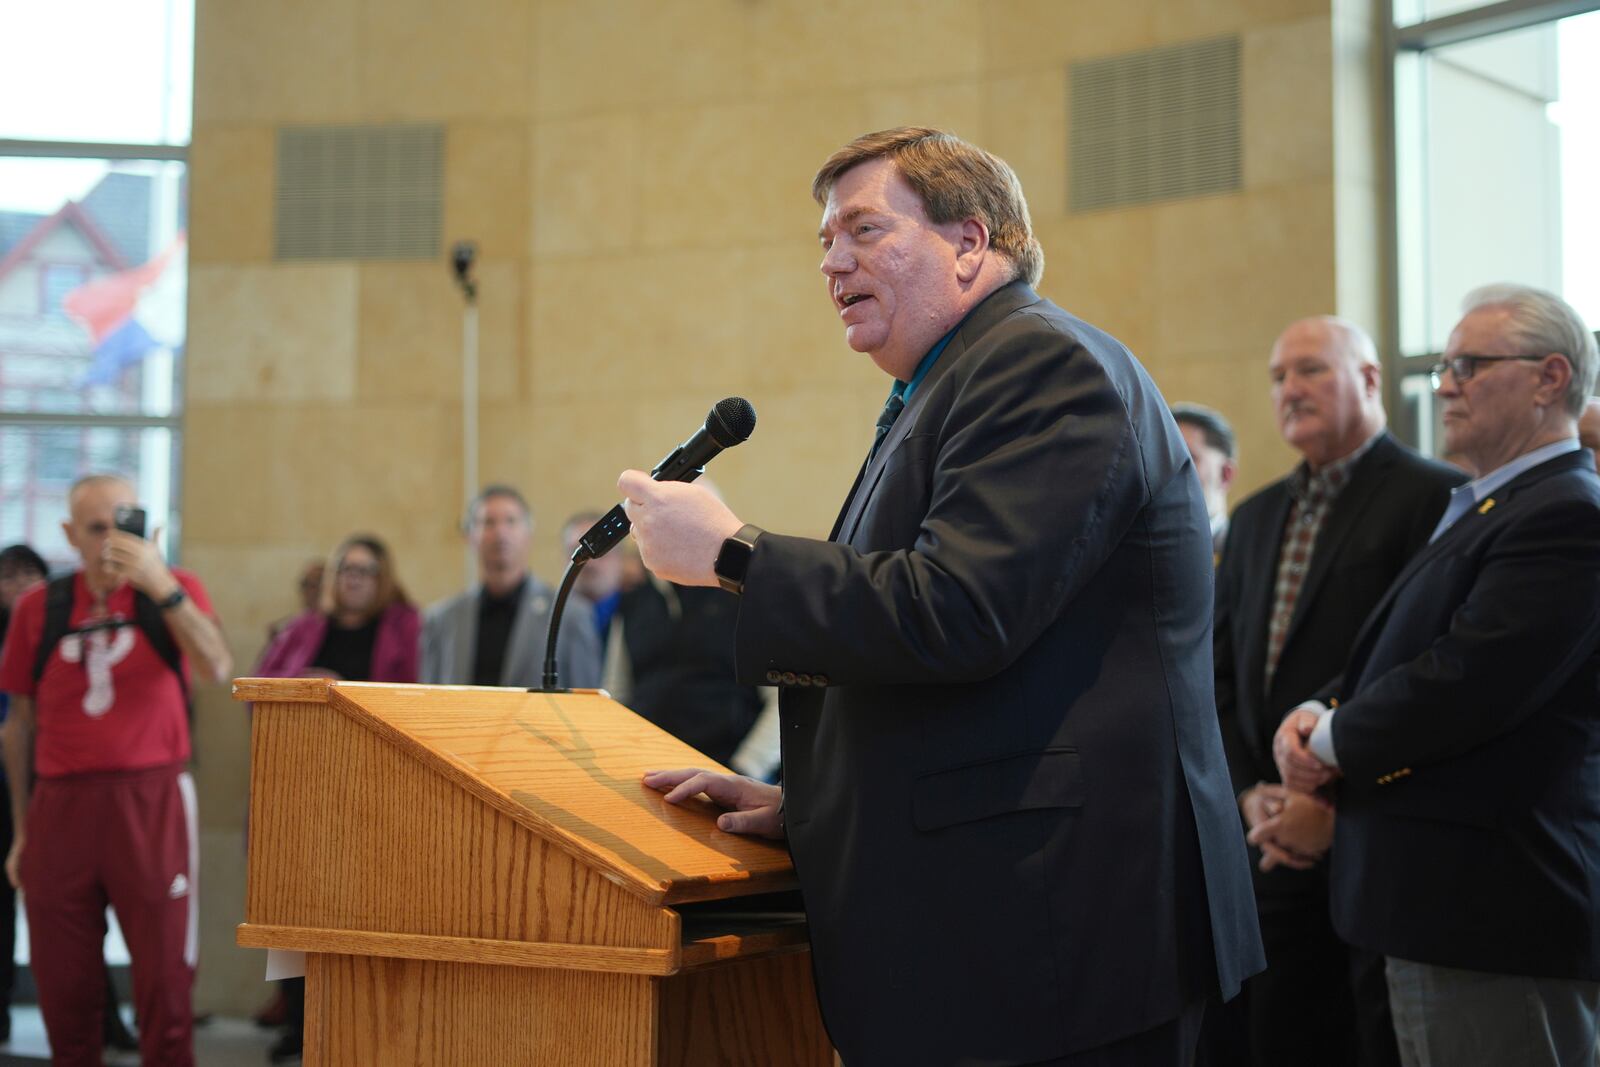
x=996 y=306
x=1258 y=595
x=1340 y=523
x=1470 y=520
x=844 y=509
x=873 y=471
x=524 y=642
x=466 y=637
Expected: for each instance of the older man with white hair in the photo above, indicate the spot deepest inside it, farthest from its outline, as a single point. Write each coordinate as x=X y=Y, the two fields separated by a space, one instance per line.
x=1464 y=746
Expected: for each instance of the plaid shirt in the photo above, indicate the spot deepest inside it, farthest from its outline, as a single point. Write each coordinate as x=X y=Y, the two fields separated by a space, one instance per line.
x=1313 y=493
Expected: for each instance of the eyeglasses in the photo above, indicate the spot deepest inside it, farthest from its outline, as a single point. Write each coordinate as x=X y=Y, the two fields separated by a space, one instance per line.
x=1464 y=366
x=359 y=570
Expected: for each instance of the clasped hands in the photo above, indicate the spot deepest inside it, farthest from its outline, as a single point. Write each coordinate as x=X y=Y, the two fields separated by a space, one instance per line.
x=1291 y=824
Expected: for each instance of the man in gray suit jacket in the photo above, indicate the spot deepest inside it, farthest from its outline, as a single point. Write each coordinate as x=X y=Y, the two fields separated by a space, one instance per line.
x=495 y=632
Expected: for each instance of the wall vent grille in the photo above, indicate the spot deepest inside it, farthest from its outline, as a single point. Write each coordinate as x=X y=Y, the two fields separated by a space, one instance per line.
x=1155 y=125
x=359 y=192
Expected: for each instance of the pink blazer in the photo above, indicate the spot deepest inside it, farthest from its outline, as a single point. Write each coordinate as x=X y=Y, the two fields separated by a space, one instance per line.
x=395 y=651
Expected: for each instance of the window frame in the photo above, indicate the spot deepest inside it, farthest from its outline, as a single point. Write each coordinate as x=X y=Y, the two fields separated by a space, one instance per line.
x=1417 y=39
x=172 y=422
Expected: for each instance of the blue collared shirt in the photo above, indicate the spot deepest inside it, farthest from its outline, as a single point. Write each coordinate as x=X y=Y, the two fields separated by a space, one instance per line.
x=905 y=389
x=1464 y=497
x=1462 y=500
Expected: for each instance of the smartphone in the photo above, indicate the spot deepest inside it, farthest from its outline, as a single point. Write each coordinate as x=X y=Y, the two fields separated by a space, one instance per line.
x=130 y=519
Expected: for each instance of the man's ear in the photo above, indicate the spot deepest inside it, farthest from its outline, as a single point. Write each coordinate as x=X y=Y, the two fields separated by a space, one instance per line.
x=1372 y=378
x=72 y=534
x=1230 y=468
x=972 y=248
x=1555 y=374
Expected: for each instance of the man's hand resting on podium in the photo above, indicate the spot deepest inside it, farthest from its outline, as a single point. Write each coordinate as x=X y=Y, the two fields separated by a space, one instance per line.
x=754 y=807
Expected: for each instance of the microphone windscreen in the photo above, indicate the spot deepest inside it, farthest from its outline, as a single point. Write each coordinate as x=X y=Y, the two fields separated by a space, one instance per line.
x=731 y=422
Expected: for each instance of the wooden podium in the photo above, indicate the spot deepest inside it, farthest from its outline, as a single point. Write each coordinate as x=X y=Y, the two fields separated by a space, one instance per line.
x=478 y=876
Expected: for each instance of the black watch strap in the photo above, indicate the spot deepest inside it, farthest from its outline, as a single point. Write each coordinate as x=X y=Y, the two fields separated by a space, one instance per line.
x=178 y=596
x=733 y=562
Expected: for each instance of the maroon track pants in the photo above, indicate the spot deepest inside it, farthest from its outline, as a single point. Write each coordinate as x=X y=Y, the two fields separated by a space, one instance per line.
x=129 y=839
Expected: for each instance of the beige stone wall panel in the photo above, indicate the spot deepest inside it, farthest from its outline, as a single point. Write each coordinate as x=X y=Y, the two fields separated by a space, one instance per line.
x=738 y=173
x=236 y=228
x=272 y=334
x=1026 y=35
x=486 y=176
x=291 y=61
x=1101 y=267
x=409 y=342
x=422 y=60
x=1025 y=123
x=1232 y=271
x=1287 y=103
x=586 y=196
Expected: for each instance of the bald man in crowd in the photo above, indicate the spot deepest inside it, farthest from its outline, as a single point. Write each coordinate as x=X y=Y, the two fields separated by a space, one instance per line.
x=1306 y=559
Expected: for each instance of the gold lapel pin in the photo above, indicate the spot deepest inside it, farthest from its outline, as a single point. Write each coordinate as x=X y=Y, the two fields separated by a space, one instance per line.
x=1483 y=509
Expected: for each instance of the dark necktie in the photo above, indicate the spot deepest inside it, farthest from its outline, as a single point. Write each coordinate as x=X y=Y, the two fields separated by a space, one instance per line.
x=891 y=411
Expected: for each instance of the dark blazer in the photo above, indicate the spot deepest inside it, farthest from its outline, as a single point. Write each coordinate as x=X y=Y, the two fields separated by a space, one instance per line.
x=1469 y=810
x=678 y=641
x=1005 y=792
x=1381 y=518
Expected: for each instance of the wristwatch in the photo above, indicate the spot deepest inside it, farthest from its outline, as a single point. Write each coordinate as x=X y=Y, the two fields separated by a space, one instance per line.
x=734 y=559
x=176 y=597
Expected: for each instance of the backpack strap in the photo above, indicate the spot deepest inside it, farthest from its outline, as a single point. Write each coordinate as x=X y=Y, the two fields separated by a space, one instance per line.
x=148 y=617
x=57 y=620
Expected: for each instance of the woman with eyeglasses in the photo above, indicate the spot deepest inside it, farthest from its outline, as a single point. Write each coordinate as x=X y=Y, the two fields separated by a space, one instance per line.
x=365 y=630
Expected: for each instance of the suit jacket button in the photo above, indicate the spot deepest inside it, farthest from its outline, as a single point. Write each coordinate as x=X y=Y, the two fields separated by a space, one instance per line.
x=819 y=679
x=788 y=678
x=773 y=677
x=802 y=680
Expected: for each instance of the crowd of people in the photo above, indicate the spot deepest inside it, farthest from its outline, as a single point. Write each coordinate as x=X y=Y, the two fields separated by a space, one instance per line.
x=660 y=648
x=1404 y=667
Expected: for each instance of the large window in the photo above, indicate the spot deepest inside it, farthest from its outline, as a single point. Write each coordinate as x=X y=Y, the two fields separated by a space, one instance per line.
x=1497 y=145
x=93 y=270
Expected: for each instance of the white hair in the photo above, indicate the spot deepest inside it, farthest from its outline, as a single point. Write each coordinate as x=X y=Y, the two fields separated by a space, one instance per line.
x=1542 y=324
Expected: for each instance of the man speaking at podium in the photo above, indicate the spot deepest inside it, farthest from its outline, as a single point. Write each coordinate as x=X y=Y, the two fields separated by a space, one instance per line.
x=1004 y=785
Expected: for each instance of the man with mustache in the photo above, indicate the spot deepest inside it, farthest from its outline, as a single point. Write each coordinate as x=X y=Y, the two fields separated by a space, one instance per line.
x=1003 y=786
x=1464 y=733
x=1305 y=561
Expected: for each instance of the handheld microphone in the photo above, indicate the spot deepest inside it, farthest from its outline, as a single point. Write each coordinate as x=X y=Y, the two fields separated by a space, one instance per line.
x=730 y=423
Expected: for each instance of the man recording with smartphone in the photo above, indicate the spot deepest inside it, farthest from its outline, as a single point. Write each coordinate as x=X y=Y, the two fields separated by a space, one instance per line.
x=96 y=744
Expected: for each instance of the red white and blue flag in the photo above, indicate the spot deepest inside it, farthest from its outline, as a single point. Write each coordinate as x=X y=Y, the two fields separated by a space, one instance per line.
x=132 y=313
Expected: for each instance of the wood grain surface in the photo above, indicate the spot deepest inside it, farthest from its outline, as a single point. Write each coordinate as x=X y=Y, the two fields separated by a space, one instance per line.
x=372 y=1012
x=567 y=766
x=756 y=1011
x=348 y=832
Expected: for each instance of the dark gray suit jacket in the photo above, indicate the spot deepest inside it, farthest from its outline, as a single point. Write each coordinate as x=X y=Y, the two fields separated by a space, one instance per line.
x=1005 y=791
x=1377 y=523
x=450 y=638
